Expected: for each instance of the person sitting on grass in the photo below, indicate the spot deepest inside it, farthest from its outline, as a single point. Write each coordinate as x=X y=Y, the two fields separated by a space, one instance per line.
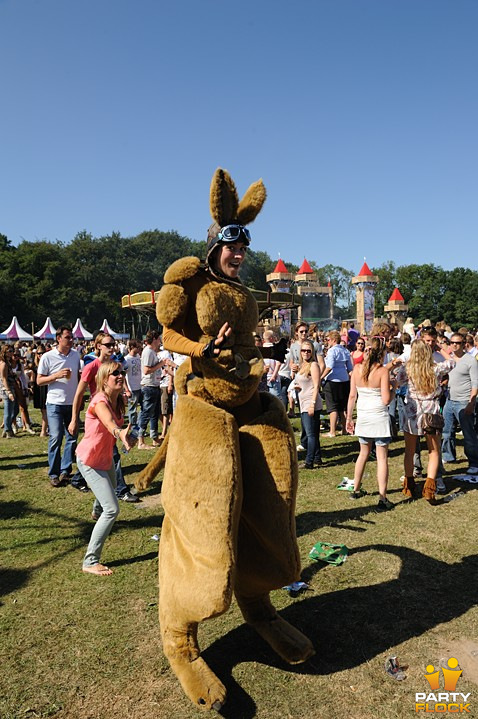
x=371 y=381
x=94 y=458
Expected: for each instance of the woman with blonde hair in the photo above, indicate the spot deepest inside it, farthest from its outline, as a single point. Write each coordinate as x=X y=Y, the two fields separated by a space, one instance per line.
x=423 y=377
x=371 y=382
x=94 y=457
x=307 y=381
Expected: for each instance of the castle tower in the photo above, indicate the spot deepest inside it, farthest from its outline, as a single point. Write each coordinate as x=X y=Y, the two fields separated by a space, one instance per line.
x=396 y=308
x=280 y=279
x=366 y=283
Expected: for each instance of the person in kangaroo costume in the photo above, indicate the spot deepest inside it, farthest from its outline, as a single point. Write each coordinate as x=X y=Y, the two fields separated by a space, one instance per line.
x=231 y=473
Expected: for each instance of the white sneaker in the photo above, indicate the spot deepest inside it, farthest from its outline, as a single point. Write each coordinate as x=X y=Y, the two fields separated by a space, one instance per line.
x=300 y=448
x=472 y=470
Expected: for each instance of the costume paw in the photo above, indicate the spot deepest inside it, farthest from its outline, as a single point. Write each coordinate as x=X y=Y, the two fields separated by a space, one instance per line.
x=200 y=683
x=287 y=641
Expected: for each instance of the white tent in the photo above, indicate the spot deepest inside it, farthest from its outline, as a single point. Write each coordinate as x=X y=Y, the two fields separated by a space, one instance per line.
x=80 y=333
x=15 y=332
x=105 y=327
x=47 y=332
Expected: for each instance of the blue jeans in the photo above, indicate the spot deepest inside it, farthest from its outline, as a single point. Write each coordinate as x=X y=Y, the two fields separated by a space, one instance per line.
x=59 y=417
x=102 y=483
x=10 y=409
x=150 y=411
x=274 y=388
x=135 y=401
x=121 y=486
x=311 y=442
x=455 y=410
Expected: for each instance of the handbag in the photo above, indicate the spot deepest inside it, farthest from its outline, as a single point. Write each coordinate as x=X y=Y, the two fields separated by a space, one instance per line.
x=432 y=423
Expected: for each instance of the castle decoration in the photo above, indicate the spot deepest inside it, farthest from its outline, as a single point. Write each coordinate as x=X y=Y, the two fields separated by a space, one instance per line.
x=317 y=301
x=366 y=283
x=396 y=309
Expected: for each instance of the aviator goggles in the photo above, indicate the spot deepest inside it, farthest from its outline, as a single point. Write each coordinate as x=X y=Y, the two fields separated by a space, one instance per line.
x=231 y=233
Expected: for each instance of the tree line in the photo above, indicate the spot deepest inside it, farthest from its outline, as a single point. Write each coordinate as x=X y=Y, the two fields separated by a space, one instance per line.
x=87 y=277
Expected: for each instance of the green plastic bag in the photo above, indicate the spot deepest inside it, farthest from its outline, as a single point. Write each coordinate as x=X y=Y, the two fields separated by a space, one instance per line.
x=331 y=553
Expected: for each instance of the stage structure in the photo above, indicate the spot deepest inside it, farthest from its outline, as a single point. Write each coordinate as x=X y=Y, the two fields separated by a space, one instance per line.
x=366 y=283
x=144 y=306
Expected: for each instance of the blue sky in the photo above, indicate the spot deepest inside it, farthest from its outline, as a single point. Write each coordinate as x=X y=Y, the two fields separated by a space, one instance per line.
x=361 y=117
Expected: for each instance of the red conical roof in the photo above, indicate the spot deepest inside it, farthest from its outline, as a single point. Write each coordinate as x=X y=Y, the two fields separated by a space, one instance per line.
x=305 y=268
x=280 y=267
x=365 y=270
x=396 y=296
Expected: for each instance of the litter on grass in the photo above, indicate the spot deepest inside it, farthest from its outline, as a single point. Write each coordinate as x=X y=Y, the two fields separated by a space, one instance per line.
x=296 y=588
x=452 y=496
x=468 y=478
x=346 y=484
x=331 y=553
x=155 y=537
x=393 y=669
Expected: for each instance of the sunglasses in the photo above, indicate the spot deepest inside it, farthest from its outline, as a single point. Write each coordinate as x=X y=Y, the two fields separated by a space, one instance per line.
x=309 y=351
x=454 y=342
x=233 y=232
x=108 y=344
x=118 y=372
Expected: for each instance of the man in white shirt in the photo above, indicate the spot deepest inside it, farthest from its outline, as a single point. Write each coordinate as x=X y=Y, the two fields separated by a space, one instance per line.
x=151 y=369
x=132 y=365
x=59 y=369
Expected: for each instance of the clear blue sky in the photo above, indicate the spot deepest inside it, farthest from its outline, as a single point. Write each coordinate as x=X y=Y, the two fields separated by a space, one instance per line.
x=361 y=116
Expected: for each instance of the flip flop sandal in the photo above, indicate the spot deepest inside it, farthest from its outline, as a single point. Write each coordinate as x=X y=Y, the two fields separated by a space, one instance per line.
x=331 y=553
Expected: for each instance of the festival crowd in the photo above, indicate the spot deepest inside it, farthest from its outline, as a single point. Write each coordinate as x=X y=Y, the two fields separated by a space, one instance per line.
x=421 y=381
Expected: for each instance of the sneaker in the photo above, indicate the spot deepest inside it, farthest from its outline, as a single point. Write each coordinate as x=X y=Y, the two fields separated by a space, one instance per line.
x=128 y=497
x=472 y=470
x=417 y=473
x=304 y=465
x=64 y=477
x=80 y=486
x=55 y=482
x=300 y=448
x=357 y=495
x=402 y=479
x=441 y=489
x=7 y=435
x=384 y=505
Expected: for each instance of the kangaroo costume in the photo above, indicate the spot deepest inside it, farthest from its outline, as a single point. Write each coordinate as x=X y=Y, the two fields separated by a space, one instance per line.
x=230 y=477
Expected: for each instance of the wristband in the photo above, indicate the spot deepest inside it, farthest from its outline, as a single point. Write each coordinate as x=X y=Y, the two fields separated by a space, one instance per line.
x=116 y=433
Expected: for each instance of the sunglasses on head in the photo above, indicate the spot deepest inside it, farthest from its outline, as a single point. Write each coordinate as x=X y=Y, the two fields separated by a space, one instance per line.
x=230 y=233
x=108 y=344
x=118 y=372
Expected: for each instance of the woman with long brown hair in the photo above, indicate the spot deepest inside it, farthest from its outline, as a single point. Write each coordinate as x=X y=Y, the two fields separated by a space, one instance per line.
x=371 y=382
x=423 y=376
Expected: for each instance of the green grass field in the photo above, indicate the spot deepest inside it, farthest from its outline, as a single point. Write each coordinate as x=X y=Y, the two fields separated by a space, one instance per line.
x=82 y=647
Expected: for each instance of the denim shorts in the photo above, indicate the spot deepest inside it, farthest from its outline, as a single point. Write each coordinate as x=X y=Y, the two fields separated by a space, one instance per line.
x=379 y=441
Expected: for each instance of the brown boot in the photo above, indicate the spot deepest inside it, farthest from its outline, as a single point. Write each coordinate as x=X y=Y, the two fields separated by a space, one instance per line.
x=429 y=489
x=409 y=487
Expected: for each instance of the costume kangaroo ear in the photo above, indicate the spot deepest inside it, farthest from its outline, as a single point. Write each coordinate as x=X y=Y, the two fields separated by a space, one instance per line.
x=251 y=203
x=223 y=198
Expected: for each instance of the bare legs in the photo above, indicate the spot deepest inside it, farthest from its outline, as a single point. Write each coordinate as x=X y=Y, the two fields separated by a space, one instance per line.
x=333 y=418
x=382 y=468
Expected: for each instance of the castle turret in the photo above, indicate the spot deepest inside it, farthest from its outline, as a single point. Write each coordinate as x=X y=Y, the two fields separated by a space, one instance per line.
x=396 y=309
x=366 y=283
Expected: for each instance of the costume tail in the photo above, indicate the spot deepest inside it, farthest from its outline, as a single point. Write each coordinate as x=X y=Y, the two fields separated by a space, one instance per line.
x=144 y=478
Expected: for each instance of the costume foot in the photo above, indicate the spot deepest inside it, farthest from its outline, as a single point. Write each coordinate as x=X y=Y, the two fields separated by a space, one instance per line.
x=99 y=569
x=287 y=641
x=199 y=683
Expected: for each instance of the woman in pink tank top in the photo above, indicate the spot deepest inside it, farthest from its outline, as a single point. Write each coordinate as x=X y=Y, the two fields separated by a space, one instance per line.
x=94 y=457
